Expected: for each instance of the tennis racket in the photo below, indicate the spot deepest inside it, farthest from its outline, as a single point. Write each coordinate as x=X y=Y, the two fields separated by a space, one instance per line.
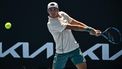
x=112 y=34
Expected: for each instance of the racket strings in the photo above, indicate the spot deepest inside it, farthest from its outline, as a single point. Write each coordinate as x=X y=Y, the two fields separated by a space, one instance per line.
x=113 y=35
x=110 y=37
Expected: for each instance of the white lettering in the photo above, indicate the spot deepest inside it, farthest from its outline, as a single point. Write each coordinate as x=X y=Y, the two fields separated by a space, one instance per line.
x=25 y=50
x=49 y=51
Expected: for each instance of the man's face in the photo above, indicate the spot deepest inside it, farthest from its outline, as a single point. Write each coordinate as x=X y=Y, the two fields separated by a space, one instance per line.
x=53 y=12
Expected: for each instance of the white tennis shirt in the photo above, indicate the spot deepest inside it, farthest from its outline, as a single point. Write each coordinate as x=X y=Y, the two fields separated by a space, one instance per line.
x=64 y=39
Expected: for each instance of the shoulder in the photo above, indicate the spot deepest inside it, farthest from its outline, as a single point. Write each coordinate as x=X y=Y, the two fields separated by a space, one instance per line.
x=63 y=13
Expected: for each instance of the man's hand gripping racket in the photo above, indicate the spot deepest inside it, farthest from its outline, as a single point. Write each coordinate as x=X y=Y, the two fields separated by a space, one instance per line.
x=112 y=34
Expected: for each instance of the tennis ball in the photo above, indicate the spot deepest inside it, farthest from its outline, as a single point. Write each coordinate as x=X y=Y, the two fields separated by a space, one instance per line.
x=8 y=25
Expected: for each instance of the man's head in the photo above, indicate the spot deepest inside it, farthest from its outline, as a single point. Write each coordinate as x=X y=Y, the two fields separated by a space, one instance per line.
x=53 y=9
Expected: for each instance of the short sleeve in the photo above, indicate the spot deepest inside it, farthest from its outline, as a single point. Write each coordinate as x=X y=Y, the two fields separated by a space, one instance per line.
x=66 y=16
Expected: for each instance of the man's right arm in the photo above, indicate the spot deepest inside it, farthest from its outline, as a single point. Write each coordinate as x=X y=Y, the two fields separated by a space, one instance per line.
x=79 y=26
x=76 y=25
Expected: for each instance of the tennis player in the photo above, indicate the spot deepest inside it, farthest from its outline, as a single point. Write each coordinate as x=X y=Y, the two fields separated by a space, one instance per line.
x=60 y=25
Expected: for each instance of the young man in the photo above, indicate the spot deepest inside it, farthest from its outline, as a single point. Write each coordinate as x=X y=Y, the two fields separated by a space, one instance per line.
x=60 y=25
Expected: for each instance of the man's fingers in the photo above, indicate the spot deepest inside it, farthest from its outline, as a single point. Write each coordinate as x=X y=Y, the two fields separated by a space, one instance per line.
x=98 y=32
